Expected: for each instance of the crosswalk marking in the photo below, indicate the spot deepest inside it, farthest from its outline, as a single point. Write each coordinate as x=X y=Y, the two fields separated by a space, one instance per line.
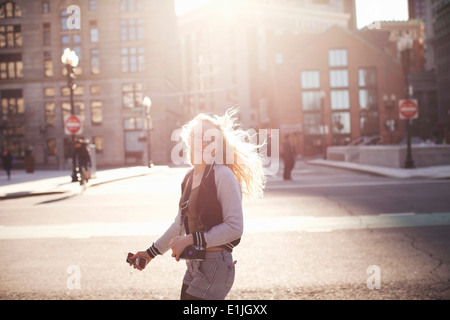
x=275 y=224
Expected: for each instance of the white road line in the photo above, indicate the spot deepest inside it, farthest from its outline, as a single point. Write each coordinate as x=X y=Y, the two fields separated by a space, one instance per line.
x=276 y=224
x=397 y=214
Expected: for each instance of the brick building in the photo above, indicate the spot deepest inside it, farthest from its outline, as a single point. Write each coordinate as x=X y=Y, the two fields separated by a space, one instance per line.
x=128 y=49
x=331 y=89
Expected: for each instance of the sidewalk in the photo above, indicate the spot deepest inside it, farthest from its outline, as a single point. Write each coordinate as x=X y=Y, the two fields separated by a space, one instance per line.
x=437 y=172
x=45 y=182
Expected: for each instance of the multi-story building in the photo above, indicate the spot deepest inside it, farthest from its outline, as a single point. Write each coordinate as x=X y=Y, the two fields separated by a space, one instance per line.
x=442 y=55
x=227 y=53
x=127 y=49
x=338 y=87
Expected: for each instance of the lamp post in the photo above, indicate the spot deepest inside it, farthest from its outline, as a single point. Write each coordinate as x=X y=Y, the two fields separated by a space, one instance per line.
x=146 y=106
x=404 y=46
x=70 y=59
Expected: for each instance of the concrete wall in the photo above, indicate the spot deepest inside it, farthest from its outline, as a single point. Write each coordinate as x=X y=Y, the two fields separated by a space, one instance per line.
x=391 y=156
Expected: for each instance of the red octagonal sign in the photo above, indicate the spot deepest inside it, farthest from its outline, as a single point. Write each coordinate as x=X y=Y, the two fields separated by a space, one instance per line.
x=72 y=125
x=408 y=109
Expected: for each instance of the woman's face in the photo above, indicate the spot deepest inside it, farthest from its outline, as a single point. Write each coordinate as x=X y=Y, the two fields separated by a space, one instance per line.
x=202 y=135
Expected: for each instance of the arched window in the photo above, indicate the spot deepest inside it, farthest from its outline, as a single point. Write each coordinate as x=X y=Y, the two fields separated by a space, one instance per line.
x=10 y=10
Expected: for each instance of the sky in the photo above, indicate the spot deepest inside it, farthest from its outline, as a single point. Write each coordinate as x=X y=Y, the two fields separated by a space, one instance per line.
x=367 y=11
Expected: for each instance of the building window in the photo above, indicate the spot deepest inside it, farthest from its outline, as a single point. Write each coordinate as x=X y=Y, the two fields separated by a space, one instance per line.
x=11 y=66
x=368 y=101
x=95 y=61
x=96 y=112
x=367 y=77
x=47 y=34
x=51 y=147
x=340 y=99
x=98 y=141
x=133 y=59
x=130 y=5
x=64 y=18
x=132 y=29
x=94 y=31
x=95 y=90
x=133 y=131
x=9 y=10
x=312 y=123
x=77 y=91
x=49 y=92
x=12 y=103
x=50 y=114
x=10 y=36
x=132 y=95
x=338 y=78
x=45 y=7
x=340 y=122
x=311 y=100
x=310 y=80
x=337 y=58
x=92 y=5
x=48 y=64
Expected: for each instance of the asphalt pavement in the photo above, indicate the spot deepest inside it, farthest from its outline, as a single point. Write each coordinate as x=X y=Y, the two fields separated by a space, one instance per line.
x=44 y=182
x=318 y=237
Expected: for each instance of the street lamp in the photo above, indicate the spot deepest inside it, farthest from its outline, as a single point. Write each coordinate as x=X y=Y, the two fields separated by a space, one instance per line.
x=404 y=46
x=146 y=106
x=70 y=59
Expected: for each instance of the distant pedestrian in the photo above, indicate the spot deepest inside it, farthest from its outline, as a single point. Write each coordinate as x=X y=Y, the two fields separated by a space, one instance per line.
x=81 y=157
x=288 y=157
x=7 y=162
x=209 y=223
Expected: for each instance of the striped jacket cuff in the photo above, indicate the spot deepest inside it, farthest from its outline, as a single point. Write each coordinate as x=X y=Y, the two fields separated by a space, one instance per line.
x=153 y=251
x=199 y=239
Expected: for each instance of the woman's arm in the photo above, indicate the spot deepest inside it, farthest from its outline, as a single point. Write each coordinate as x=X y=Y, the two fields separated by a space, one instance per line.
x=161 y=246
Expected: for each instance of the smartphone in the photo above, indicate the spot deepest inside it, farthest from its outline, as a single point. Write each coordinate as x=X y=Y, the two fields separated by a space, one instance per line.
x=140 y=261
x=129 y=260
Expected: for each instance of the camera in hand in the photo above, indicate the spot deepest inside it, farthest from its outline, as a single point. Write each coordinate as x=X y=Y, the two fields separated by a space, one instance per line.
x=140 y=261
x=193 y=253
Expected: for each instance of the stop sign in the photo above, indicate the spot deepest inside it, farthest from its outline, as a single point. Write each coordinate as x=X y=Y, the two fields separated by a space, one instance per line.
x=408 y=109
x=72 y=125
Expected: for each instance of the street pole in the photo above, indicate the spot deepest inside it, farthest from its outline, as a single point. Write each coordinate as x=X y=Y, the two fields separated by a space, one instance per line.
x=405 y=45
x=70 y=60
x=409 y=162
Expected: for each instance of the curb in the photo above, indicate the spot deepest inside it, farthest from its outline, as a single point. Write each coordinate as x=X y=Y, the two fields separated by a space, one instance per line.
x=18 y=195
x=382 y=171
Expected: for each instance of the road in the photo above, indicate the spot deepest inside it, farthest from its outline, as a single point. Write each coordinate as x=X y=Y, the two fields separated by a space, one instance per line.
x=328 y=234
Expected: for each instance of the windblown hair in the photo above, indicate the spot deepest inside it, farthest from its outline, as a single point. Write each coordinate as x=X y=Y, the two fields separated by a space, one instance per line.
x=247 y=163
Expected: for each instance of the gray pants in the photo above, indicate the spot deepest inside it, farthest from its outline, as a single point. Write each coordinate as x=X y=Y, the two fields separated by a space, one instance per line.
x=212 y=278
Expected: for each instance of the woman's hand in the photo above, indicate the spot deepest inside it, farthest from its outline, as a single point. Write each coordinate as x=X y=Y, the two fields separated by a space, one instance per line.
x=140 y=254
x=178 y=244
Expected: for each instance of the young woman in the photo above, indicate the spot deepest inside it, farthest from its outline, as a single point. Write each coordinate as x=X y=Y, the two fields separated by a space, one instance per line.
x=226 y=164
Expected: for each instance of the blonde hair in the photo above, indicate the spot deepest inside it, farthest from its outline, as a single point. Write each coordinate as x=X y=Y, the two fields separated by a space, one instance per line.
x=247 y=163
